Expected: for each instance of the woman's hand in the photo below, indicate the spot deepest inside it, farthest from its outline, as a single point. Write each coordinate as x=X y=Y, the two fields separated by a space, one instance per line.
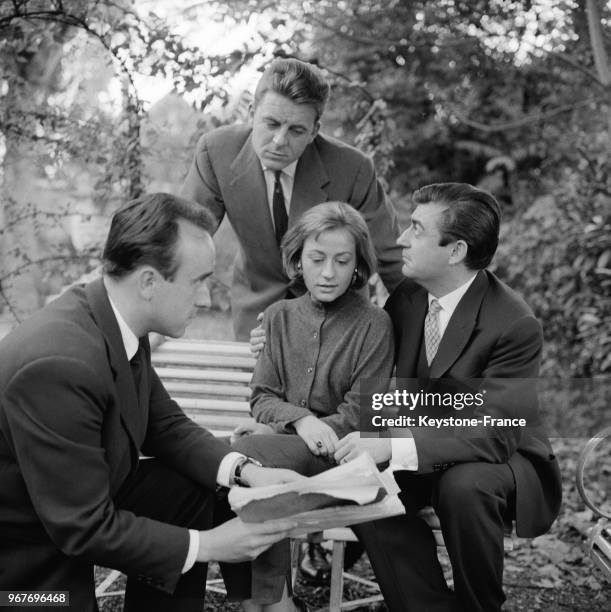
x=318 y=436
x=249 y=429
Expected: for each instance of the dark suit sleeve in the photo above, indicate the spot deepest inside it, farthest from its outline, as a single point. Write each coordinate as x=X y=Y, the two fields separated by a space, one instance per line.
x=180 y=442
x=375 y=360
x=509 y=377
x=201 y=184
x=369 y=199
x=54 y=410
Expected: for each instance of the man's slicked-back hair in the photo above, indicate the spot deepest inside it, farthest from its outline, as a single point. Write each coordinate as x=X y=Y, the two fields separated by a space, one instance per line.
x=145 y=232
x=300 y=82
x=472 y=215
x=324 y=217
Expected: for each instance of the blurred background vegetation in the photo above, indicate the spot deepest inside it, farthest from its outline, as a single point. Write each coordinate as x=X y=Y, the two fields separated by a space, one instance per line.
x=101 y=100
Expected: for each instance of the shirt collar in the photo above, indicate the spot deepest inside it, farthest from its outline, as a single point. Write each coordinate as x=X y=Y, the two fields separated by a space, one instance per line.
x=288 y=170
x=130 y=340
x=449 y=302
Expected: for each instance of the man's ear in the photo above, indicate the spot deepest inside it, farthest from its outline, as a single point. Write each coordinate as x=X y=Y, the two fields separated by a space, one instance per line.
x=315 y=130
x=147 y=281
x=458 y=252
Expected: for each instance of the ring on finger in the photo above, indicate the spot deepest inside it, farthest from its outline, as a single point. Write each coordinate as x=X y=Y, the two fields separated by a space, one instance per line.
x=319 y=444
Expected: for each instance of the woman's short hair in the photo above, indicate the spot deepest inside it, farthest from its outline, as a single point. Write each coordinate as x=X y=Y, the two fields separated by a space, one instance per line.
x=324 y=217
x=300 y=82
x=145 y=232
x=472 y=215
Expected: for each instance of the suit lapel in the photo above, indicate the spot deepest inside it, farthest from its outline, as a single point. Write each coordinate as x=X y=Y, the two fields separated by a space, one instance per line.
x=412 y=317
x=133 y=417
x=460 y=327
x=310 y=178
x=246 y=187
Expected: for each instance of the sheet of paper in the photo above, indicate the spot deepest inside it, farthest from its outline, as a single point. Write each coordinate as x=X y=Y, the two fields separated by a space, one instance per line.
x=347 y=494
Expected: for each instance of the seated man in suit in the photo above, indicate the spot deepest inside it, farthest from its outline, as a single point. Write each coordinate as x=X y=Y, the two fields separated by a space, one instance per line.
x=265 y=175
x=80 y=402
x=454 y=321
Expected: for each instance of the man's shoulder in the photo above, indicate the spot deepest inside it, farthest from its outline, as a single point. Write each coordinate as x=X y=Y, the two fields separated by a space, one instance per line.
x=225 y=138
x=63 y=329
x=500 y=297
x=330 y=148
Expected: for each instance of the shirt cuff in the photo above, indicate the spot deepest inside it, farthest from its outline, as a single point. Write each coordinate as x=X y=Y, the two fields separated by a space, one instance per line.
x=192 y=552
x=224 y=476
x=404 y=455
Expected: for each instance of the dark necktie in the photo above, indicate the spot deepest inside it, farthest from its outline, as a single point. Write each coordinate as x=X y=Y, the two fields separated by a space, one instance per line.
x=281 y=219
x=135 y=363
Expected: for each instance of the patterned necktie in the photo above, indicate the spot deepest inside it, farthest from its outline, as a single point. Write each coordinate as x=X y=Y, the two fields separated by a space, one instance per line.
x=432 y=336
x=281 y=220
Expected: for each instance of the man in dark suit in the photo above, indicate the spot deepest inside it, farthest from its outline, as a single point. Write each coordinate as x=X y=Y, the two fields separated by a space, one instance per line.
x=456 y=322
x=80 y=402
x=265 y=175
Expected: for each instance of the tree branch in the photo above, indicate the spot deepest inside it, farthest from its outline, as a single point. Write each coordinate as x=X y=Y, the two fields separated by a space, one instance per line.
x=511 y=125
x=563 y=57
x=601 y=59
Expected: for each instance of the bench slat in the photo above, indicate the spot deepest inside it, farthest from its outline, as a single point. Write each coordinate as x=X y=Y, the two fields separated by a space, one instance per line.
x=209 y=347
x=202 y=360
x=233 y=376
x=186 y=388
x=214 y=405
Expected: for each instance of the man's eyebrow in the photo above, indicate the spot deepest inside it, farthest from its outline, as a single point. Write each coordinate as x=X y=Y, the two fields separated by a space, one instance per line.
x=415 y=221
x=300 y=125
x=202 y=277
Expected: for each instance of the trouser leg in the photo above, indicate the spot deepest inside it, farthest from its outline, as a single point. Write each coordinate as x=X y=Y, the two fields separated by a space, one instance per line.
x=159 y=492
x=271 y=570
x=403 y=553
x=471 y=501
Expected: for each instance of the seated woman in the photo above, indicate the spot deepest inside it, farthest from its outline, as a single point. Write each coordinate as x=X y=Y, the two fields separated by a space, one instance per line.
x=305 y=387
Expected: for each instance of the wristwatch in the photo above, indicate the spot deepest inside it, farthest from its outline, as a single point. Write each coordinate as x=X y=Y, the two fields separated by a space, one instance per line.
x=237 y=472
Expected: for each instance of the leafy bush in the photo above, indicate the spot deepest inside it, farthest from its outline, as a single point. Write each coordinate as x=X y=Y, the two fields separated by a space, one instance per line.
x=558 y=255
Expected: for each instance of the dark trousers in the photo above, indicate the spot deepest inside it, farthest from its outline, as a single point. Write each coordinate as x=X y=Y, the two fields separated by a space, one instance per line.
x=473 y=502
x=159 y=492
x=156 y=491
x=271 y=570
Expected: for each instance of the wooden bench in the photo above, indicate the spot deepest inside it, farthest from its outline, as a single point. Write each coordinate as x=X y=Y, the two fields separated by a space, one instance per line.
x=209 y=380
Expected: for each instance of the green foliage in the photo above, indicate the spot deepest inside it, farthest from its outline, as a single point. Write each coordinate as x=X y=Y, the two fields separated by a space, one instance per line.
x=60 y=130
x=558 y=255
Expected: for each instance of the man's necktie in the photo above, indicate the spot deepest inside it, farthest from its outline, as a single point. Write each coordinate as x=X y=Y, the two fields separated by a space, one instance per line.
x=432 y=336
x=135 y=363
x=281 y=219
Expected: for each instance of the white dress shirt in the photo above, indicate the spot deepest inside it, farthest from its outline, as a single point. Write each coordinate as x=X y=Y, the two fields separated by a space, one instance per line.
x=287 y=180
x=228 y=463
x=404 y=455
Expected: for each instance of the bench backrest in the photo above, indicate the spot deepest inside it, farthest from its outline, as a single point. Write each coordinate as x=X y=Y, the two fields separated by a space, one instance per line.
x=209 y=380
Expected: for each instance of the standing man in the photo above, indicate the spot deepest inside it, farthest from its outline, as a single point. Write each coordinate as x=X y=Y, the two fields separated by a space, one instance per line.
x=266 y=174
x=80 y=402
x=455 y=321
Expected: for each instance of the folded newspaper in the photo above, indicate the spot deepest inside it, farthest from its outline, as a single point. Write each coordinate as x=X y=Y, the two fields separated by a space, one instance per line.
x=350 y=493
